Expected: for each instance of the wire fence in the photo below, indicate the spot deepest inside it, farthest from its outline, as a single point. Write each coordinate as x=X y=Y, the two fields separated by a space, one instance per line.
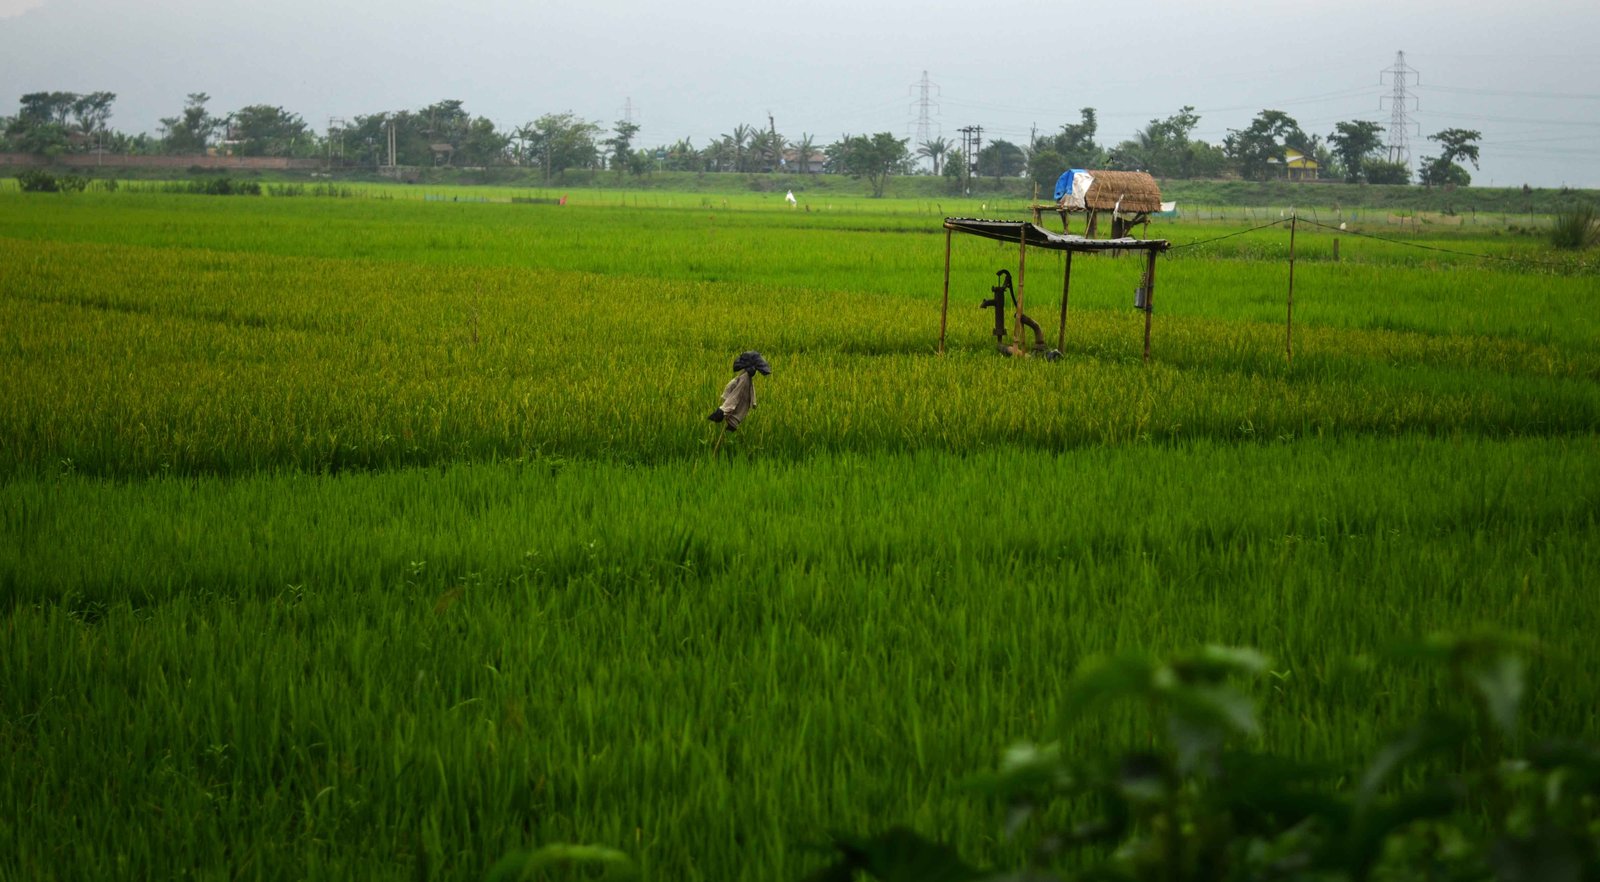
x=1415 y=220
x=1580 y=266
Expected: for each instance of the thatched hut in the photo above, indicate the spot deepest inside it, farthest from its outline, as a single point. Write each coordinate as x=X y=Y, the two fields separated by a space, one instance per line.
x=1129 y=197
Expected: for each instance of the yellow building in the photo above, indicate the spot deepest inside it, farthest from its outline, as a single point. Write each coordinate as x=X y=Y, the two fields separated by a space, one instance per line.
x=1297 y=166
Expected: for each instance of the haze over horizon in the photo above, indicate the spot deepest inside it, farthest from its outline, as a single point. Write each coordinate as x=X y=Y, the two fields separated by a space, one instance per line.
x=1524 y=75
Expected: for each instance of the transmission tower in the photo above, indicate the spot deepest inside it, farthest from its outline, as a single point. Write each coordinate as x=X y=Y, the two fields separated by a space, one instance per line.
x=336 y=128
x=924 y=91
x=1401 y=103
x=627 y=110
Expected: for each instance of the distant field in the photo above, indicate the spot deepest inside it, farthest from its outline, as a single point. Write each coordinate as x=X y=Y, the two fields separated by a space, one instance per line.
x=372 y=538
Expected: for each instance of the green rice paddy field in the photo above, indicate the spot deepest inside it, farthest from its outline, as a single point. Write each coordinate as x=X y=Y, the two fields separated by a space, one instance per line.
x=376 y=538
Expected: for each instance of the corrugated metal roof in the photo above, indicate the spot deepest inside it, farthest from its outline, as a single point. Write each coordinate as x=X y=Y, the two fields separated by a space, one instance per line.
x=1039 y=237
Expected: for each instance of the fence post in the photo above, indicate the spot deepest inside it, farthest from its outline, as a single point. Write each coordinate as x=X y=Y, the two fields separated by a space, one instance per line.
x=1288 y=324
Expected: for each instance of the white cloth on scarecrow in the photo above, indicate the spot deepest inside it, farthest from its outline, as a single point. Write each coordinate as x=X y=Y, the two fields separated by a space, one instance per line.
x=737 y=399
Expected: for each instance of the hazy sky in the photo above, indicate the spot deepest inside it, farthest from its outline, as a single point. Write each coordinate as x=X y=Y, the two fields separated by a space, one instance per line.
x=1525 y=74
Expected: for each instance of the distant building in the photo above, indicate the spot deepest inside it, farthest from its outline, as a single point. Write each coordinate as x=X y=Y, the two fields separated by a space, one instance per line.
x=812 y=165
x=1296 y=165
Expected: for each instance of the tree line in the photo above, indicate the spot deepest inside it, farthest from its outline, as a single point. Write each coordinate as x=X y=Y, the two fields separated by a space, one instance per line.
x=446 y=134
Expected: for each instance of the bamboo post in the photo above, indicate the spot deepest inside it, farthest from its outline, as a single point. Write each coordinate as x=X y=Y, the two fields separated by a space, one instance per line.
x=1335 y=249
x=1022 y=269
x=1288 y=324
x=1066 y=286
x=1149 y=298
x=944 y=312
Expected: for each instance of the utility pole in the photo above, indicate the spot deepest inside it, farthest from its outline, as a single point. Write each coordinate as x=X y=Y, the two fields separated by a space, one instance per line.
x=336 y=124
x=775 y=150
x=977 y=145
x=1400 y=102
x=971 y=143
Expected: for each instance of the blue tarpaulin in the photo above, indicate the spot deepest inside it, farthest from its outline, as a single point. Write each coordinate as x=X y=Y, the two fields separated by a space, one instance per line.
x=1064 y=183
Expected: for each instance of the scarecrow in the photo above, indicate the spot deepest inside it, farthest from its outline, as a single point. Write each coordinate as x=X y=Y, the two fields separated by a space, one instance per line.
x=740 y=393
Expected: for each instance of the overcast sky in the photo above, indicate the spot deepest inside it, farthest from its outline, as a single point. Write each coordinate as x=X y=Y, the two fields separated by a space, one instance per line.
x=1527 y=75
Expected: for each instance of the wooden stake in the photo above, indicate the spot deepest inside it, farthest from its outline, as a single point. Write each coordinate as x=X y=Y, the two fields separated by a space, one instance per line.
x=1149 y=298
x=1066 y=286
x=944 y=313
x=1288 y=324
x=1022 y=269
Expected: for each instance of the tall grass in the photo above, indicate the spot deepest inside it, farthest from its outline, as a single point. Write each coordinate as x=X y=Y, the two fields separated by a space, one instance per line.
x=1575 y=229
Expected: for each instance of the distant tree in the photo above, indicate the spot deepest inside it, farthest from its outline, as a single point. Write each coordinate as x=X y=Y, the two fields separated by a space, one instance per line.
x=1045 y=165
x=520 y=136
x=641 y=162
x=483 y=144
x=1206 y=160
x=934 y=149
x=190 y=131
x=1255 y=148
x=469 y=140
x=1075 y=142
x=955 y=169
x=738 y=140
x=1162 y=147
x=445 y=122
x=366 y=140
x=1355 y=143
x=681 y=156
x=1454 y=144
x=620 y=144
x=561 y=141
x=41 y=124
x=719 y=155
x=1382 y=171
x=766 y=149
x=1001 y=159
x=875 y=158
x=803 y=149
x=264 y=130
x=90 y=113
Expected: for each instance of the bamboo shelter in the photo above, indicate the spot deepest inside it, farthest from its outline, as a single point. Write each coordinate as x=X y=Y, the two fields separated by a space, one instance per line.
x=1026 y=234
x=1129 y=197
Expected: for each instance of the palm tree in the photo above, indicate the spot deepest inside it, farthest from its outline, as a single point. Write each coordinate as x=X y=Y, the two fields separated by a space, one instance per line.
x=522 y=135
x=766 y=147
x=934 y=149
x=682 y=156
x=718 y=152
x=804 y=148
x=741 y=134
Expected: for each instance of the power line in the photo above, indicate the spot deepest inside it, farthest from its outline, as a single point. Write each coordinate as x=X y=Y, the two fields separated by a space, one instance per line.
x=1564 y=96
